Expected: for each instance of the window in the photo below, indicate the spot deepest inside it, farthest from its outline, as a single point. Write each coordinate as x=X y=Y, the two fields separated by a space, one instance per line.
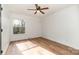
x=18 y=26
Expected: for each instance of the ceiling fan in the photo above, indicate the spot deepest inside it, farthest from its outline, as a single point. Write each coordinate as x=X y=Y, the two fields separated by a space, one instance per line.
x=38 y=8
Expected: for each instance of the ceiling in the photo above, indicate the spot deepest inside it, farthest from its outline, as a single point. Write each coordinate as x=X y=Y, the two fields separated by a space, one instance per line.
x=22 y=9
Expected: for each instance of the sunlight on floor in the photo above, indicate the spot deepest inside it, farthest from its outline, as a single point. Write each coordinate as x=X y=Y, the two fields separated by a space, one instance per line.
x=29 y=48
x=37 y=51
x=25 y=45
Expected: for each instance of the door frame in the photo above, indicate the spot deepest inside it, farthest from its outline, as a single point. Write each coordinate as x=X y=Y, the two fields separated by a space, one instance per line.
x=0 y=32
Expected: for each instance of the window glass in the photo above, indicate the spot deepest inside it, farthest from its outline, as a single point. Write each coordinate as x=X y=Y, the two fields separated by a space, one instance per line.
x=18 y=26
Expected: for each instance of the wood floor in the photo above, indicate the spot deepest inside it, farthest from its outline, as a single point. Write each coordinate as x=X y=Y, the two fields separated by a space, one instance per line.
x=51 y=46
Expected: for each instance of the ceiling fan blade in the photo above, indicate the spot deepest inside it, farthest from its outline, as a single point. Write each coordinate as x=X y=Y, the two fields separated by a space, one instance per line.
x=44 y=8
x=42 y=12
x=36 y=6
x=35 y=12
x=31 y=9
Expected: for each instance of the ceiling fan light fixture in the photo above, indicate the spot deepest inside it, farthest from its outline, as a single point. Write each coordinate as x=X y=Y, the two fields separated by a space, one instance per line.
x=39 y=9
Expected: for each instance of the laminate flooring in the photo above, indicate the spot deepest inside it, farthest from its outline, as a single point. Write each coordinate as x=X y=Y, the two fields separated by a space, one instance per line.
x=39 y=46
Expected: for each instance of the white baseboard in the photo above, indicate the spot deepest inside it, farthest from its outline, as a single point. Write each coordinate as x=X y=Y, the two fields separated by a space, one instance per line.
x=53 y=39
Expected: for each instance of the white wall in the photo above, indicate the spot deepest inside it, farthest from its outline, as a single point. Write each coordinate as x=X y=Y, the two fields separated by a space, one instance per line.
x=63 y=26
x=6 y=29
x=32 y=27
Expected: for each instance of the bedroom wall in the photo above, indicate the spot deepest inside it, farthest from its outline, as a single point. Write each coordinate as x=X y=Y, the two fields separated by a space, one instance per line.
x=32 y=27
x=63 y=26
